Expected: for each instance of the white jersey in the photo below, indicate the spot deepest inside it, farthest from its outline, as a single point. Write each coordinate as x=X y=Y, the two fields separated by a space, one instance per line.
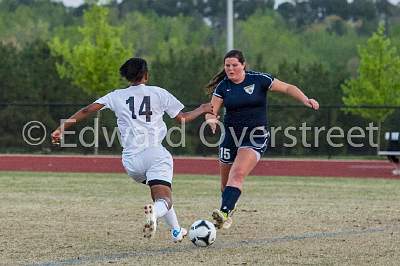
x=139 y=111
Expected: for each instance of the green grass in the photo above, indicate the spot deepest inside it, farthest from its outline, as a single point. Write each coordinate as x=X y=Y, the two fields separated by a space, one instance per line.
x=60 y=217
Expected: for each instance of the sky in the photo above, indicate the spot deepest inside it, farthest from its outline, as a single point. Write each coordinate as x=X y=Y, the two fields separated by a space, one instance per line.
x=73 y=3
x=76 y=3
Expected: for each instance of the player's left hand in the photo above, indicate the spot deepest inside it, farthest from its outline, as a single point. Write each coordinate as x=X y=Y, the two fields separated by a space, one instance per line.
x=56 y=136
x=312 y=104
x=212 y=120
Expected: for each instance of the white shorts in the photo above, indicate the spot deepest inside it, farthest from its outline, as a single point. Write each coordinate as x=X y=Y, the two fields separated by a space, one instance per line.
x=153 y=163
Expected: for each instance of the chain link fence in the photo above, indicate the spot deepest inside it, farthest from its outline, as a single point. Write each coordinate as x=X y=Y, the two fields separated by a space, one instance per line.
x=295 y=131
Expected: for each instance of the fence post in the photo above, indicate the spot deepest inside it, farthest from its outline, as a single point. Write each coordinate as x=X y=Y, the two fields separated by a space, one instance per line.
x=96 y=133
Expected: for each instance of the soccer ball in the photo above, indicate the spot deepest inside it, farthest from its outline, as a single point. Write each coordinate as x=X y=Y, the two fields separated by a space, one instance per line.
x=202 y=233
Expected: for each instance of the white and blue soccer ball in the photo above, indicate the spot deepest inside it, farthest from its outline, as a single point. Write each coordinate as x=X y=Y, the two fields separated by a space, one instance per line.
x=202 y=233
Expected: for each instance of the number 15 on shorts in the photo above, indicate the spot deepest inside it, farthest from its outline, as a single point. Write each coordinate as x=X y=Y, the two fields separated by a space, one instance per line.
x=224 y=153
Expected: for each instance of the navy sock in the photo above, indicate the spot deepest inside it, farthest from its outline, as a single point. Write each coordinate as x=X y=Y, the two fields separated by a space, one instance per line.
x=229 y=198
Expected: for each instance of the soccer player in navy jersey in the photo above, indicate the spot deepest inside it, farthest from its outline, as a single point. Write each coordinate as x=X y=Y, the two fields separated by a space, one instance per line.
x=245 y=134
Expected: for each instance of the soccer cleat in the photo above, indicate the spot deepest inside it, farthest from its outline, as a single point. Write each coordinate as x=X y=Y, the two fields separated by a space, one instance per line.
x=220 y=218
x=227 y=223
x=150 y=226
x=178 y=234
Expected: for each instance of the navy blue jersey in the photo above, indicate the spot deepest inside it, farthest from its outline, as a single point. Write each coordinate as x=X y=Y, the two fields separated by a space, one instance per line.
x=245 y=103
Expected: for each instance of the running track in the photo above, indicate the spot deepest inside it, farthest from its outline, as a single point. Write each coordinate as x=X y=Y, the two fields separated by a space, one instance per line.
x=201 y=165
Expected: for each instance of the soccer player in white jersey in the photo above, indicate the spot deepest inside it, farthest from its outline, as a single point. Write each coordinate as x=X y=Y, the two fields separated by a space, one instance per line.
x=139 y=110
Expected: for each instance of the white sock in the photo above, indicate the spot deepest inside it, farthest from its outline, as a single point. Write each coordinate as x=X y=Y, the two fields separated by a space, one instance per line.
x=171 y=219
x=160 y=208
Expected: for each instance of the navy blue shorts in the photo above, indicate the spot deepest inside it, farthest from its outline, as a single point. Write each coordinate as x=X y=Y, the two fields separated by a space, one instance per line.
x=234 y=138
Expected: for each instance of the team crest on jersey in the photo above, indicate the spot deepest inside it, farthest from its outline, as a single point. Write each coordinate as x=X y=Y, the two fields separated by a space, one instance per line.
x=249 y=89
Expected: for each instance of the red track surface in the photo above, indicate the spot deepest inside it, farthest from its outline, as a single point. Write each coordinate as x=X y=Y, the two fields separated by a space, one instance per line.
x=199 y=165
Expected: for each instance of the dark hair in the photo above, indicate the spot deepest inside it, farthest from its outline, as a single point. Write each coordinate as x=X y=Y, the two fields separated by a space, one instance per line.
x=134 y=69
x=221 y=74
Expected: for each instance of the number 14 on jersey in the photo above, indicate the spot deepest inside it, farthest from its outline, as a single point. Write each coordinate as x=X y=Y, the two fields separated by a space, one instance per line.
x=145 y=108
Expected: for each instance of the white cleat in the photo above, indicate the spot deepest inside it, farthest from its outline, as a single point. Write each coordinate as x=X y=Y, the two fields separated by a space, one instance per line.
x=150 y=226
x=178 y=234
x=227 y=224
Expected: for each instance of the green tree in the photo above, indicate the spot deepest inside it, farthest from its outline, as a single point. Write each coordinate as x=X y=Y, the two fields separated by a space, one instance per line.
x=93 y=63
x=154 y=36
x=378 y=82
x=28 y=82
x=333 y=50
x=23 y=22
x=188 y=86
x=265 y=38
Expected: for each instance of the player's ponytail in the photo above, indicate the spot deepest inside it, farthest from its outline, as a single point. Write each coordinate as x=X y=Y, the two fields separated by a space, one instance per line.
x=214 y=81
x=221 y=74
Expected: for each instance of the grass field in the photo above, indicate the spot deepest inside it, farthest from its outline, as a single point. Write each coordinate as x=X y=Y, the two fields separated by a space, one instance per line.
x=96 y=219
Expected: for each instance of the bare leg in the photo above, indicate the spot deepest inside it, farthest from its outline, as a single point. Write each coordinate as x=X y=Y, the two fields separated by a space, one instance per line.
x=161 y=192
x=244 y=163
x=161 y=195
x=224 y=169
x=397 y=168
x=395 y=161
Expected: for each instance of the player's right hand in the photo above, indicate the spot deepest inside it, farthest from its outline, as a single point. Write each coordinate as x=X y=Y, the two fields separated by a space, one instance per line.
x=56 y=136
x=212 y=120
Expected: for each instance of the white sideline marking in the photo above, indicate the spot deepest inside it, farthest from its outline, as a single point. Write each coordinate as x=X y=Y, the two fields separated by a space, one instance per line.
x=254 y=242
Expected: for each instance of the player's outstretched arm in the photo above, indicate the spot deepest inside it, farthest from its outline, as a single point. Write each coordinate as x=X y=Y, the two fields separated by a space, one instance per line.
x=289 y=89
x=184 y=117
x=75 y=118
